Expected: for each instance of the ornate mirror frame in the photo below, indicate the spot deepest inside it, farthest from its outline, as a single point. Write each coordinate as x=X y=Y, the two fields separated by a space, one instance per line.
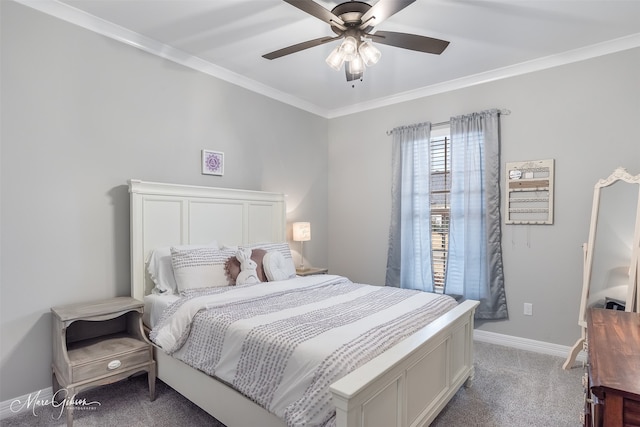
x=632 y=300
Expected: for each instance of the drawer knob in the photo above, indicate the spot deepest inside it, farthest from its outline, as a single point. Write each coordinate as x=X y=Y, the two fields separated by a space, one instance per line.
x=114 y=364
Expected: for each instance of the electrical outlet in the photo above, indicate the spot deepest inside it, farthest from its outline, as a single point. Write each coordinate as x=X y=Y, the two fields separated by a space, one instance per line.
x=528 y=309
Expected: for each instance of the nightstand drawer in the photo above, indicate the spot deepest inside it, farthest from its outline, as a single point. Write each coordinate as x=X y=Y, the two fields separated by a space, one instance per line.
x=106 y=356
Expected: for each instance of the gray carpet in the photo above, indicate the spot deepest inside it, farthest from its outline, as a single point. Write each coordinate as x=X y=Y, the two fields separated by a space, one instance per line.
x=516 y=388
x=511 y=388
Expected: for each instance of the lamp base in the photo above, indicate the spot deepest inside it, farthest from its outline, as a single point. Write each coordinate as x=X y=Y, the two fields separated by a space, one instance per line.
x=309 y=271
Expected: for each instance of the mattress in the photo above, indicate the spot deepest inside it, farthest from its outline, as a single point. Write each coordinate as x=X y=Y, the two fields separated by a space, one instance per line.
x=154 y=306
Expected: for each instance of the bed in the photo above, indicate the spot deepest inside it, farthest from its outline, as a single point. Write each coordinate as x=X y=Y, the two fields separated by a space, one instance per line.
x=406 y=385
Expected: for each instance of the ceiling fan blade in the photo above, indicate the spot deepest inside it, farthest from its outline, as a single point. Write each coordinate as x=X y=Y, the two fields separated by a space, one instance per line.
x=314 y=9
x=300 y=46
x=382 y=10
x=410 y=41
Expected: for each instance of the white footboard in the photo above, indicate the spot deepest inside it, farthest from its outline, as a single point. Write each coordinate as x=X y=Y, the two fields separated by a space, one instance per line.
x=411 y=383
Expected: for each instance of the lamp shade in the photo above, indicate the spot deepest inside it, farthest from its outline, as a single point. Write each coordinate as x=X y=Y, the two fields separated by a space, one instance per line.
x=301 y=231
x=356 y=65
x=349 y=48
x=355 y=69
x=335 y=59
x=369 y=53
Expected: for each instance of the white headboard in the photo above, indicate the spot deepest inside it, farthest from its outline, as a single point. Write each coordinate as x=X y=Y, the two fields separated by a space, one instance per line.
x=171 y=214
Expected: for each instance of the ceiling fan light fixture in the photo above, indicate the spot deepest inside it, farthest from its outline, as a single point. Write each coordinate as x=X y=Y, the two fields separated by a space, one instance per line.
x=369 y=53
x=335 y=59
x=349 y=48
x=355 y=66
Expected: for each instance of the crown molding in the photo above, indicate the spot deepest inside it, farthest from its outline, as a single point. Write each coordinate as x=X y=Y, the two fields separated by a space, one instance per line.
x=108 y=29
x=576 y=55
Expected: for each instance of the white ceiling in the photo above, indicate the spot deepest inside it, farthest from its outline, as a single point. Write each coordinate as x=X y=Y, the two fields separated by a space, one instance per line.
x=489 y=40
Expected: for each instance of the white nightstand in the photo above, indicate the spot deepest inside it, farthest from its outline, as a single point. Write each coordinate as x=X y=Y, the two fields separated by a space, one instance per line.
x=311 y=271
x=98 y=343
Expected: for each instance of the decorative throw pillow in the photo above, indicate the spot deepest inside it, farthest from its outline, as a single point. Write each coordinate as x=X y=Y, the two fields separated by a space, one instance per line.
x=233 y=266
x=276 y=267
x=199 y=268
x=283 y=248
x=161 y=271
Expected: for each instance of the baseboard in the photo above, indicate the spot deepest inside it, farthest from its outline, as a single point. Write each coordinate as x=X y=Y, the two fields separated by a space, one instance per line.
x=526 y=344
x=20 y=404
x=25 y=403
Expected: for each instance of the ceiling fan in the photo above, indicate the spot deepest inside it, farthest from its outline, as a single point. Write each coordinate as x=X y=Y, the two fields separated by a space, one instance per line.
x=354 y=21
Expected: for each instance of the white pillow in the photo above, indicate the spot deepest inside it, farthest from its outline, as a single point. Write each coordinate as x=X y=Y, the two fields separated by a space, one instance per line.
x=160 y=268
x=276 y=267
x=200 y=268
x=287 y=262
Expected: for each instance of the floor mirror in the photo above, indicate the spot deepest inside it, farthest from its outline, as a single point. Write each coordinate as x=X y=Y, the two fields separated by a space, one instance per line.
x=611 y=255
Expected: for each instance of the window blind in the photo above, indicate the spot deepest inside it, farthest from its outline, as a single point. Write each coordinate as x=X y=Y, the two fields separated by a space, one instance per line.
x=440 y=191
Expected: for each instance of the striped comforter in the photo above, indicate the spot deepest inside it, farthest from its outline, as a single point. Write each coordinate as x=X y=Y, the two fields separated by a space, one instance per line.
x=282 y=344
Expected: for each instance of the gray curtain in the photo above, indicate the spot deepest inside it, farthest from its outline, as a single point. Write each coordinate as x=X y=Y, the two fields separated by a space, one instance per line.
x=409 y=256
x=474 y=264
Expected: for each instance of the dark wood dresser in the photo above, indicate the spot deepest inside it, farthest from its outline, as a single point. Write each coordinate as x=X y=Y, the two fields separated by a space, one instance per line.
x=614 y=368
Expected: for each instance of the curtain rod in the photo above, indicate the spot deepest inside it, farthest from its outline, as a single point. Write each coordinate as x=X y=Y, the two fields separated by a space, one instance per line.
x=502 y=112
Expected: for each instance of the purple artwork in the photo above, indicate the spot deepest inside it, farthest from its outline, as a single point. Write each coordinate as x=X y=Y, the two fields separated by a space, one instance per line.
x=212 y=162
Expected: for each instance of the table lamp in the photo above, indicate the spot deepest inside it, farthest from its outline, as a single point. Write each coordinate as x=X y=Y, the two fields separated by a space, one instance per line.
x=301 y=233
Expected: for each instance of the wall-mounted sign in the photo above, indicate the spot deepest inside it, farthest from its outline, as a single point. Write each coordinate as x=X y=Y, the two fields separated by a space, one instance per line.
x=529 y=192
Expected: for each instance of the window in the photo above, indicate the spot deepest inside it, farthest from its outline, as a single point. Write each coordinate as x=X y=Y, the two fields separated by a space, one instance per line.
x=440 y=204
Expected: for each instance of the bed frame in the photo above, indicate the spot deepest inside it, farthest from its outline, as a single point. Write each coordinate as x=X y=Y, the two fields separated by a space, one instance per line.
x=408 y=385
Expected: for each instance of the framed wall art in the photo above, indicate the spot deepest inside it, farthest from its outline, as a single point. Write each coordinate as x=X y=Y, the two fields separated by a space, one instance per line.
x=212 y=162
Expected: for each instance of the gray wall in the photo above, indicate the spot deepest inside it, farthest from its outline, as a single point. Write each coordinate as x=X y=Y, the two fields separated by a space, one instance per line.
x=584 y=115
x=82 y=114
